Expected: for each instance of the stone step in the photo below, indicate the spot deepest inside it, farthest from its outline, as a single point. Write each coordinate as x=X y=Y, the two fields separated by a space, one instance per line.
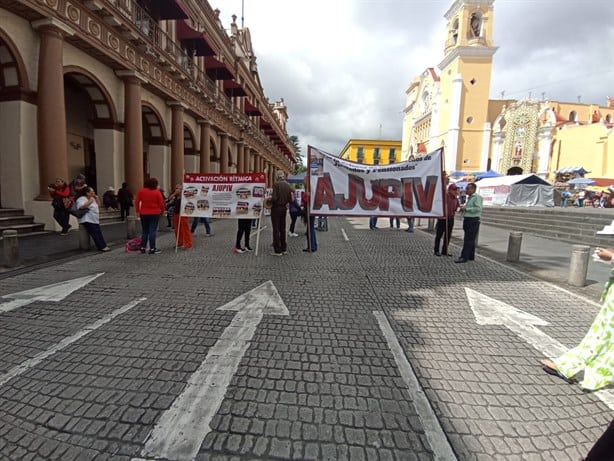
x=572 y=232
x=25 y=228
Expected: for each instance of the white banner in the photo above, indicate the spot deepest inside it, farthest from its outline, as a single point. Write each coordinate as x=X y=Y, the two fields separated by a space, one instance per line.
x=223 y=195
x=343 y=188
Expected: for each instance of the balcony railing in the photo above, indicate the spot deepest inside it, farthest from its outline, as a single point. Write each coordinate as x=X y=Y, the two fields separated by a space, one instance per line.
x=161 y=46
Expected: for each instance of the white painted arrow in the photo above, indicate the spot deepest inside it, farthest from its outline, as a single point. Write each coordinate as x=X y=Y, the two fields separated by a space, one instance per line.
x=181 y=430
x=54 y=292
x=489 y=311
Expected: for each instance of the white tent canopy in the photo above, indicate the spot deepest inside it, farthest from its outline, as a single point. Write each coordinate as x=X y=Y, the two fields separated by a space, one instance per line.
x=516 y=190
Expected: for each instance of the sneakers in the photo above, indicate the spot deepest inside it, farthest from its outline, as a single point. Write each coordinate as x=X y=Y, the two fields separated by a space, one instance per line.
x=238 y=250
x=276 y=254
x=155 y=251
x=248 y=249
x=143 y=251
x=292 y=234
x=209 y=235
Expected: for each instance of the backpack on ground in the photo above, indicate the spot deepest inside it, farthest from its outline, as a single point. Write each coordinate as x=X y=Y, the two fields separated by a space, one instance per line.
x=133 y=245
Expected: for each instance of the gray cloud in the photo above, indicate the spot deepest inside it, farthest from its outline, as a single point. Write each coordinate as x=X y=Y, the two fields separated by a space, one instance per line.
x=344 y=74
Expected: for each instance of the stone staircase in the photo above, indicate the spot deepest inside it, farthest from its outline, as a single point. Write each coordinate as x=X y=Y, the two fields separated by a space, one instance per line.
x=16 y=219
x=573 y=225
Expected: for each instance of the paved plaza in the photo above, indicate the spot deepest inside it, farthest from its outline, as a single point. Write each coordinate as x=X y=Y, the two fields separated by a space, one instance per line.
x=369 y=349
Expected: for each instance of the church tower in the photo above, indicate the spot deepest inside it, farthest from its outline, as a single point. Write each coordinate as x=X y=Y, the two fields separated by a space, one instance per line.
x=465 y=73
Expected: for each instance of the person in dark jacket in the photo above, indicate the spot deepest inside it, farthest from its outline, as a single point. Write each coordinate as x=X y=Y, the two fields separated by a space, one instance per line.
x=125 y=200
x=282 y=195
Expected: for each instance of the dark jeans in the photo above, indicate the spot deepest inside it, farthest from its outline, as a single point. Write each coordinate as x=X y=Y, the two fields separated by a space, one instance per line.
x=278 y=222
x=149 y=224
x=312 y=234
x=245 y=227
x=62 y=217
x=471 y=226
x=96 y=234
x=124 y=210
x=604 y=447
x=205 y=221
x=293 y=217
x=440 y=231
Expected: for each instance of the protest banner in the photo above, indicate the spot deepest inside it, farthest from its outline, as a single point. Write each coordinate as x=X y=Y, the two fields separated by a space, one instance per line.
x=344 y=188
x=220 y=195
x=237 y=196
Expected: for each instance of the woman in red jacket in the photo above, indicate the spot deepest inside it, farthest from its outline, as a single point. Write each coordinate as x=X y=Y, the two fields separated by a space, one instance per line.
x=61 y=194
x=149 y=205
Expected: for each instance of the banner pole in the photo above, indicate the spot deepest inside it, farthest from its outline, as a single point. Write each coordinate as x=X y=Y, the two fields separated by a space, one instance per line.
x=308 y=202
x=259 y=229
x=177 y=234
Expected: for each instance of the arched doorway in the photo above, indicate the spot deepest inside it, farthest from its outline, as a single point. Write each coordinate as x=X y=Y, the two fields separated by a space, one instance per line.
x=88 y=109
x=14 y=91
x=155 y=145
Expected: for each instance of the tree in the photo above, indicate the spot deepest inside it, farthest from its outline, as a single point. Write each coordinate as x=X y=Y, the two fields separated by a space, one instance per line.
x=299 y=167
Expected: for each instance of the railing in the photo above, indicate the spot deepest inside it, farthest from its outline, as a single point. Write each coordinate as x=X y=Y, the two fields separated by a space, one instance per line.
x=162 y=46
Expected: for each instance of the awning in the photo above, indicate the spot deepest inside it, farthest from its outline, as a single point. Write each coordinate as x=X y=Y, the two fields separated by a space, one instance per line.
x=233 y=89
x=250 y=109
x=572 y=170
x=217 y=70
x=195 y=41
x=168 y=9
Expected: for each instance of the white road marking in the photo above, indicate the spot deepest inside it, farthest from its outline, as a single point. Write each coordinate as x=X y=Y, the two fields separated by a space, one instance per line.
x=180 y=431
x=432 y=429
x=489 y=311
x=25 y=366
x=345 y=236
x=54 y=292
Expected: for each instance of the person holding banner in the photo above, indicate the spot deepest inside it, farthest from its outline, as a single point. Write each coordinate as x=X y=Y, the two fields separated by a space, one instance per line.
x=181 y=226
x=445 y=225
x=310 y=220
x=245 y=226
x=282 y=195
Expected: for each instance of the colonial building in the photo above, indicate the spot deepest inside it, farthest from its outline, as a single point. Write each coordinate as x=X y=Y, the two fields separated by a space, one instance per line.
x=372 y=151
x=450 y=107
x=122 y=90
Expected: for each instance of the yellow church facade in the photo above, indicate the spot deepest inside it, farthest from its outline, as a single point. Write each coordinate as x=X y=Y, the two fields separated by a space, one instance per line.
x=449 y=107
x=372 y=151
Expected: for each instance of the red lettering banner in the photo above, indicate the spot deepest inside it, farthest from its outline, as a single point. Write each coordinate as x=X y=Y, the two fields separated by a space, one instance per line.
x=343 y=188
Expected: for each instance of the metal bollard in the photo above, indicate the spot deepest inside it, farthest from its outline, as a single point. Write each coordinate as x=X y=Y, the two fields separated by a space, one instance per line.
x=431 y=225
x=578 y=265
x=84 y=238
x=131 y=230
x=11 y=248
x=513 y=246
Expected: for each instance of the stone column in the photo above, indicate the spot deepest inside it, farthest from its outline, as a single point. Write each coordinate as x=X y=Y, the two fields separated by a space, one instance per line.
x=205 y=146
x=177 y=148
x=240 y=158
x=223 y=153
x=133 y=129
x=246 y=164
x=51 y=111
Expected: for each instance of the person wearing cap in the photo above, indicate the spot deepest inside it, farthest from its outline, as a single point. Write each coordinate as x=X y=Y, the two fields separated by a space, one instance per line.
x=109 y=199
x=445 y=225
x=281 y=197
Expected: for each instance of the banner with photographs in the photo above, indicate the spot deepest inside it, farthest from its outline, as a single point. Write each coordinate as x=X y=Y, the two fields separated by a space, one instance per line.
x=223 y=195
x=343 y=188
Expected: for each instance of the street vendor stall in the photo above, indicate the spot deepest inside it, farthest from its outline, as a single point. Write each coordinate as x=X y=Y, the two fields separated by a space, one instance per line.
x=516 y=190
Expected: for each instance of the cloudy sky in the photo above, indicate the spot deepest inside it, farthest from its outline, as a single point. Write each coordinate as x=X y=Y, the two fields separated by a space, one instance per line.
x=342 y=66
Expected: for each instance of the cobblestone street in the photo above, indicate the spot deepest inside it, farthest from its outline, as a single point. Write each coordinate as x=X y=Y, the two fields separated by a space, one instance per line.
x=108 y=371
